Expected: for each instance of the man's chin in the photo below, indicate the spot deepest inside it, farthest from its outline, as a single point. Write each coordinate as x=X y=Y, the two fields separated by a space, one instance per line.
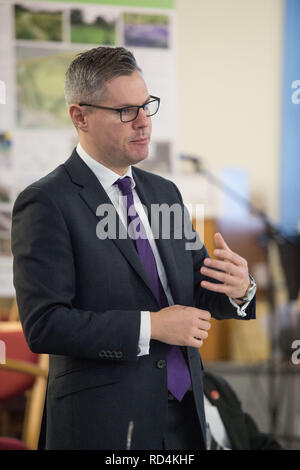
x=135 y=159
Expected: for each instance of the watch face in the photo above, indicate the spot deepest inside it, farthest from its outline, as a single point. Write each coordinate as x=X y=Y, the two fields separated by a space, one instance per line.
x=251 y=288
x=249 y=291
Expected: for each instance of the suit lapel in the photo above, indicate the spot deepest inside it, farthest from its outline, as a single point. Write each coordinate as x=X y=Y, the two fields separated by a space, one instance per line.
x=93 y=194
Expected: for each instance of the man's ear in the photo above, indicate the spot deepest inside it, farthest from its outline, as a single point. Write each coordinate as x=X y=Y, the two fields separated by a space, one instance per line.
x=79 y=117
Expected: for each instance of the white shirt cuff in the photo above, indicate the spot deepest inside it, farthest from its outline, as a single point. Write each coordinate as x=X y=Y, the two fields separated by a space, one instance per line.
x=241 y=308
x=145 y=333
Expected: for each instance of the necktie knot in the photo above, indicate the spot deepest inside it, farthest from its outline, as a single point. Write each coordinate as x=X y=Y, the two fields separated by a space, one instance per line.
x=124 y=185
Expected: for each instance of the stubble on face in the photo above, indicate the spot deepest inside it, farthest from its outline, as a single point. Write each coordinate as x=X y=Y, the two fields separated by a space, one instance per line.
x=113 y=143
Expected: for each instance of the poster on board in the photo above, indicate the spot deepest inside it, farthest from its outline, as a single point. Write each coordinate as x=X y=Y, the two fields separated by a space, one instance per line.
x=38 y=40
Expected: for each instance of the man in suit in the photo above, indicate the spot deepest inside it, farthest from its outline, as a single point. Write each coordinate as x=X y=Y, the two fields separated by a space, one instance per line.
x=122 y=317
x=230 y=427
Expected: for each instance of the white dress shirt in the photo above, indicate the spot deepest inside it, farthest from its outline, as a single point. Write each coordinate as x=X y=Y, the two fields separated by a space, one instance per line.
x=216 y=426
x=107 y=178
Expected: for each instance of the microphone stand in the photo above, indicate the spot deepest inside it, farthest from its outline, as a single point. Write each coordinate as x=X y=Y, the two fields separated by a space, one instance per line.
x=271 y=234
x=129 y=435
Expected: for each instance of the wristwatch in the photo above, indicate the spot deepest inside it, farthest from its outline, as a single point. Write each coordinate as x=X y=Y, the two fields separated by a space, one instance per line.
x=249 y=292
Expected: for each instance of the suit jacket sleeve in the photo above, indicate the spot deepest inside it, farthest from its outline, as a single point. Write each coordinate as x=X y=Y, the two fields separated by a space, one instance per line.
x=44 y=278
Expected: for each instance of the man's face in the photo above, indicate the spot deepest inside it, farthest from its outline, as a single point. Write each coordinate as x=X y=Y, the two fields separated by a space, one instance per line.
x=114 y=143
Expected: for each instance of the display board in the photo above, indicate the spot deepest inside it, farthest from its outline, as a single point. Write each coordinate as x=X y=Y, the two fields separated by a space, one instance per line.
x=38 y=40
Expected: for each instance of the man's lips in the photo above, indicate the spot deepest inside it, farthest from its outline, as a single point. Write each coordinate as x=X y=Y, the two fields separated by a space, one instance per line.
x=140 y=140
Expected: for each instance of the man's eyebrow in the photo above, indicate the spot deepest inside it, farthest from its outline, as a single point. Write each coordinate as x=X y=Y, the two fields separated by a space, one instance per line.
x=127 y=105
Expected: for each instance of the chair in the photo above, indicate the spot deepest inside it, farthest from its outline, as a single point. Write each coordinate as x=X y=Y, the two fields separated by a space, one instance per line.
x=23 y=372
x=14 y=311
x=9 y=310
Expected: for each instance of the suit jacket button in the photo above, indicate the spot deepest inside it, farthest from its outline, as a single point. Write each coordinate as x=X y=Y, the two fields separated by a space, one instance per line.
x=161 y=364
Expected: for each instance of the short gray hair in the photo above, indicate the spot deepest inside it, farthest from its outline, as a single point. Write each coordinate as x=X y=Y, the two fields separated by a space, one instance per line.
x=89 y=72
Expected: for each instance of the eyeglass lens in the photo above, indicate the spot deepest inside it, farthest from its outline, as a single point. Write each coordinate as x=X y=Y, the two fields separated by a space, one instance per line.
x=130 y=113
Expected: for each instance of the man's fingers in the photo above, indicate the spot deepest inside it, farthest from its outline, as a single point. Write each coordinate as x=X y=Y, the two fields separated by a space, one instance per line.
x=203 y=314
x=224 y=266
x=220 y=242
x=197 y=343
x=230 y=269
x=204 y=325
x=222 y=288
x=225 y=277
x=199 y=333
x=229 y=255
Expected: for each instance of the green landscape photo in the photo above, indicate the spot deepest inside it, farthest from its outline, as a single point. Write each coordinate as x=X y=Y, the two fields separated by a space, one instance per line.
x=40 y=85
x=37 y=25
x=96 y=30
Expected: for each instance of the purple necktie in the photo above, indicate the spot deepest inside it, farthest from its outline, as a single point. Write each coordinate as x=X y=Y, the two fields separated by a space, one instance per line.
x=179 y=380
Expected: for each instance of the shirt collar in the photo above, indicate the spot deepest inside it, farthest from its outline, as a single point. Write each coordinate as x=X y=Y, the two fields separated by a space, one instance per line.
x=105 y=176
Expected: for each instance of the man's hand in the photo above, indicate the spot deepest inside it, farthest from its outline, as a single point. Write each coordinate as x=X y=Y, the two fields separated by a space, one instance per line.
x=230 y=269
x=179 y=325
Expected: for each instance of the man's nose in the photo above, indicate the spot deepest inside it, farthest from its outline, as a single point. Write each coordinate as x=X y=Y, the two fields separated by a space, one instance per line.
x=142 y=120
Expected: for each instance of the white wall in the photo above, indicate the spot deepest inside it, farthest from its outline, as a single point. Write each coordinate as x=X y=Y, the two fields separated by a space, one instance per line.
x=229 y=78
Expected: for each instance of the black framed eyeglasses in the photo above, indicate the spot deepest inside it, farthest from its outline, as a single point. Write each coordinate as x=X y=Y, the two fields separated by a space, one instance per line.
x=130 y=113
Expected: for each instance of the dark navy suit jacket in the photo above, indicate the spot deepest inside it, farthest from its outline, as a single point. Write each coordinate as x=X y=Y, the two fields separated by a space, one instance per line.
x=80 y=299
